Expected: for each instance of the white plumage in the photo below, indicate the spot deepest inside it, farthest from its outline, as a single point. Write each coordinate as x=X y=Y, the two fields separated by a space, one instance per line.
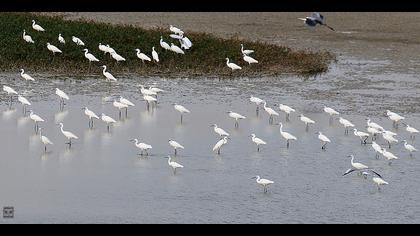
x=117 y=57
x=176 y=30
x=108 y=75
x=175 y=145
x=26 y=76
x=155 y=55
x=263 y=182
x=174 y=164
x=176 y=49
x=220 y=131
x=61 y=94
x=249 y=59
x=357 y=165
x=90 y=56
x=27 y=38
x=286 y=135
x=164 y=44
x=257 y=141
x=61 y=39
x=37 y=27
x=330 y=111
x=77 y=41
x=232 y=65
x=53 y=48
x=143 y=57
x=245 y=52
x=142 y=146
x=219 y=144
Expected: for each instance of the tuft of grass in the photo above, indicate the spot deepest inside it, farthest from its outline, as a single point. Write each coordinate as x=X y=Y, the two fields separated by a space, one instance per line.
x=205 y=58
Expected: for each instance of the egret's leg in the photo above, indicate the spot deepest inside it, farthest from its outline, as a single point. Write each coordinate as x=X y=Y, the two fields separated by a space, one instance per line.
x=10 y=102
x=108 y=127
x=236 y=124
x=174 y=171
x=389 y=145
x=181 y=118
x=257 y=110
x=364 y=141
x=389 y=163
x=258 y=148
x=175 y=151
x=45 y=148
x=377 y=156
x=307 y=127
x=287 y=144
x=119 y=114
x=287 y=117
x=218 y=151
x=126 y=112
x=331 y=120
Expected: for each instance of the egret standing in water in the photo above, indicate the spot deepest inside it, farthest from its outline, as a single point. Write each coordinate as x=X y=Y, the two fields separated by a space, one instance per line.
x=409 y=148
x=257 y=101
x=374 y=132
x=108 y=120
x=257 y=141
x=219 y=144
x=149 y=100
x=346 y=124
x=27 y=38
x=394 y=117
x=362 y=135
x=175 y=145
x=357 y=165
x=411 y=130
x=37 y=27
x=379 y=181
x=26 y=76
x=306 y=120
x=263 y=182
x=10 y=91
x=181 y=109
x=315 y=19
x=62 y=96
x=36 y=120
x=236 y=116
x=126 y=102
x=324 y=139
x=389 y=138
x=120 y=106
x=108 y=76
x=91 y=115
x=377 y=148
x=221 y=132
x=330 y=112
x=142 y=146
x=24 y=103
x=232 y=65
x=173 y=164
x=271 y=112
x=389 y=156
x=46 y=141
x=69 y=135
x=286 y=135
x=286 y=109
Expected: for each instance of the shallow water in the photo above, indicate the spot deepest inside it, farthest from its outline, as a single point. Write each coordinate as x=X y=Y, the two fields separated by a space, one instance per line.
x=101 y=179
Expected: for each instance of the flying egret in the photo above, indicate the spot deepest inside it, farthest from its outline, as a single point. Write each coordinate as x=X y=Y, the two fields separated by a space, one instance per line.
x=362 y=135
x=90 y=56
x=173 y=164
x=330 y=112
x=164 y=44
x=374 y=132
x=27 y=38
x=149 y=99
x=411 y=130
x=120 y=106
x=315 y=19
x=77 y=41
x=379 y=181
x=108 y=75
x=10 y=91
x=126 y=102
x=53 y=49
x=388 y=155
x=249 y=59
x=155 y=55
x=61 y=39
x=46 y=141
x=257 y=101
x=62 y=96
x=181 y=109
x=69 y=135
x=142 y=146
x=374 y=125
x=409 y=148
x=271 y=112
x=24 y=103
x=142 y=56
x=236 y=116
x=377 y=148
x=37 y=27
x=263 y=182
x=219 y=144
x=286 y=135
x=306 y=120
x=257 y=141
x=219 y=131
x=232 y=65
x=175 y=145
x=26 y=76
x=117 y=57
x=176 y=30
x=286 y=109
x=108 y=120
x=389 y=138
x=324 y=139
x=245 y=52
x=91 y=115
x=346 y=124
x=394 y=117
x=36 y=120
x=176 y=49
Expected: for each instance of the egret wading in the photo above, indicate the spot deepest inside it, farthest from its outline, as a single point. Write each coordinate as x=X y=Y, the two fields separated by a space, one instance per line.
x=108 y=76
x=324 y=139
x=409 y=147
x=36 y=120
x=258 y=102
x=219 y=144
x=411 y=130
x=10 y=91
x=271 y=112
x=127 y=103
x=286 y=109
x=26 y=76
x=330 y=111
x=357 y=165
x=142 y=146
x=389 y=138
x=173 y=164
x=236 y=116
x=62 y=96
x=307 y=121
x=362 y=135
x=377 y=148
x=379 y=182
x=24 y=103
x=69 y=135
x=149 y=99
x=91 y=115
x=108 y=120
x=257 y=141
x=120 y=106
x=175 y=145
x=263 y=182
x=221 y=132
x=46 y=141
x=286 y=135
x=181 y=109
x=346 y=124
x=394 y=117
x=389 y=156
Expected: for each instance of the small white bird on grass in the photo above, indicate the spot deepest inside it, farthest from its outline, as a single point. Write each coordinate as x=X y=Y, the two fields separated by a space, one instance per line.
x=77 y=41
x=176 y=30
x=27 y=38
x=164 y=44
x=90 y=56
x=108 y=76
x=236 y=116
x=46 y=141
x=409 y=148
x=104 y=48
x=245 y=52
x=108 y=120
x=117 y=57
x=249 y=59
x=37 y=27
x=257 y=141
x=173 y=164
x=346 y=124
x=324 y=139
x=232 y=65
x=61 y=39
x=176 y=49
x=263 y=182
x=219 y=131
x=155 y=55
x=306 y=120
x=91 y=115
x=53 y=49
x=26 y=76
x=286 y=135
x=175 y=145
x=143 y=57
x=69 y=135
x=142 y=146
x=181 y=109
x=219 y=144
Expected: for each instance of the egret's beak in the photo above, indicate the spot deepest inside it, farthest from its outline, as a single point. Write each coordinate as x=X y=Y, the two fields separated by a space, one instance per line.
x=131 y=140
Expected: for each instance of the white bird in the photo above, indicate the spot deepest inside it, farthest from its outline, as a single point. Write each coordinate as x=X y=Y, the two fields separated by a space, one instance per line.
x=394 y=117
x=187 y=42
x=271 y=112
x=156 y=90
x=126 y=102
x=286 y=109
x=69 y=135
x=249 y=59
x=46 y=141
x=379 y=181
x=389 y=138
x=149 y=99
x=90 y=56
x=110 y=50
x=236 y=116
x=286 y=135
x=53 y=49
x=61 y=39
x=37 y=27
x=409 y=147
x=26 y=76
x=362 y=135
x=357 y=165
x=27 y=38
x=36 y=119
x=306 y=120
x=219 y=131
x=143 y=57
x=377 y=148
x=176 y=30
x=330 y=112
x=263 y=182
x=117 y=57
x=388 y=155
x=142 y=146
x=120 y=106
x=103 y=48
x=24 y=103
x=175 y=145
x=155 y=55
x=108 y=75
x=245 y=52
x=164 y=44
x=91 y=115
x=181 y=109
x=77 y=41
x=324 y=139
x=257 y=101
x=374 y=125
x=175 y=36
x=257 y=141
x=10 y=91
x=62 y=96
x=176 y=49
x=145 y=91
x=174 y=164
x=374 y=132
x=108 y=120
x=346 y=124
x=232 y=65
x=219 y=144
x=411 y=130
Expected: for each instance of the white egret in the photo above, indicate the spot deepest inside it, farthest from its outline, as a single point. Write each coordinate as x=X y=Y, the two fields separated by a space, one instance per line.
x=377 y=148
x=155 y=55
x=143 y=57
x=27 y=38
x=37 y=27
x=324 y=139
x=117 y=57
x=61 y=39
x=306 y=120
x=379 y=181
x=374 y=132
x=62 y=96
x=24 y=103
x=103 y=48
x=164 y=44
x=409 y=147
x=315 y=19
x=145 y=91
x=374 y=125
x=149 y=99
x=246 y=52
x=187 y=42
x=181 y=109
x=346 y=124
x=108 y=120
x=411 y=130
x=330 y=112
x=219 y=131
x=257 y=101
x=108 y=75
x=26 y=76
x=126 y=102
x=394 y=117
x=120 y=106
x=232 y=65
x=110 y=50
x=69 y=135
x=46 y=141
x=257 y=141
x=219 y=144
x=156 y=90
x=286 y=109
x=362 y=135
x=176 y=30
x=90 y=56
x=173 y=164
x=387 y=132
x=388 y=155
x=77 y=41
x=175 y=145
x=142 y=146
x=357 y=165
x=236 y=116
x=263 y=182
x=176 y=49
x=249 y=59
x=271 y=112
x=10 y=91
x=389 y=138
x=286 y=135
x=53 y=49
x=91 y=115
x=36 y=120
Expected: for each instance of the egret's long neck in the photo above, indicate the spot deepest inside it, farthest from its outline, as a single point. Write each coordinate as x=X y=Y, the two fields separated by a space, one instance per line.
x=265 y=105
x=169 y=160
x=22 y=71
x=24 y=33
x=227 y=61
x=61 y=127
x=281 y=128
x=258 y=178
x=352 y=158
x=103 y=71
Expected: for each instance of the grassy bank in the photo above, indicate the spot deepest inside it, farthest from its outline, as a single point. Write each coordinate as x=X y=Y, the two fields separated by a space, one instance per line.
x=205 y=58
